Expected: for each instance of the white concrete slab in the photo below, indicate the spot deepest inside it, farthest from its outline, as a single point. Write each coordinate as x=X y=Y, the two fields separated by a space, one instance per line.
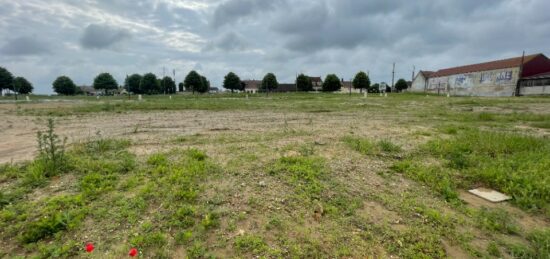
x=490 y=195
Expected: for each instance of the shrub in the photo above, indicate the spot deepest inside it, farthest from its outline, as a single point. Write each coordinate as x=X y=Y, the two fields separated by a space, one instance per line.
x=51 y=150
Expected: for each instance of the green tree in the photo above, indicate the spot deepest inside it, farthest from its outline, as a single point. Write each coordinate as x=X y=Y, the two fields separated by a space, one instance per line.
x=6 y=80
x=332 y=83
x=168 y=84
x=401 y=85
x=232 y=82
x=132 y=83
x=193 y=81
x=64 y=85
x=303 y=83
x=149 y=84
x=375 y=88
x=105 y=82
x=22 y=86
x=205 y=85
x=181 y=87
x=269 y=82
x=361 y=81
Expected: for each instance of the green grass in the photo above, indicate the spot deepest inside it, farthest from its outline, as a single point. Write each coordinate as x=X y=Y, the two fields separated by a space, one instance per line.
x=368 y=147
x=511 y=163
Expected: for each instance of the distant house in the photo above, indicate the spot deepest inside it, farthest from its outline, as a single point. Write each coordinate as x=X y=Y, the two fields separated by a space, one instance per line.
x=213 y=90
x=252 y=86
x=88 y=90
x=317 y=83
x=285 y=88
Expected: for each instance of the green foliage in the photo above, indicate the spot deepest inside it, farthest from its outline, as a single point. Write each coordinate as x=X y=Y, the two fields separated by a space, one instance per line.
x=105 y=81
x=51 y=150
x=58 y=214
x=332 y=83
x=366 y=147
x=496 y=220
x=149 y=84
x=6 y=79
x=168 y=85
x=63 y=85
x=206 y=85
x=132 y=84
x=303 y=83
x=269 y=82
x=232 y=82
x=540 y=240
x=250 y=244
x=361 y=81
x=401 y=85
x=22 y=86
x=511 y=163
x=193 y=82
x=436 y=178
x=305 y=173
x=149 y=240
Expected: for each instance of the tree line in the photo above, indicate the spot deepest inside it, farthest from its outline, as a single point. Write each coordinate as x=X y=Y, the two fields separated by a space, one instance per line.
x=18 y=85
x=193 y=82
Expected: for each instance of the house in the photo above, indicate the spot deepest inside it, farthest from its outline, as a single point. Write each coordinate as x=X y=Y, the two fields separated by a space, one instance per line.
x=252 y=86
x=317 y=83
x=506 y=77
x=88 y=90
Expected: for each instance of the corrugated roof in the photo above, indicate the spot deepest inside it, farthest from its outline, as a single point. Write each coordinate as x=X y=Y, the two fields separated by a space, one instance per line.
x=493 y=65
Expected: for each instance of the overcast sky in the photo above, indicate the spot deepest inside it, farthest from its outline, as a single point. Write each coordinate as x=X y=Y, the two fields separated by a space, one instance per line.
x=41 y=40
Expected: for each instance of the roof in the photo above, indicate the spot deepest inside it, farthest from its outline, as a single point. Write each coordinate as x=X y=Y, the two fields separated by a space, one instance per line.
x=538 y=76
x=492 y=65
x=426 y=74
x=315 y=79
x=252 y=84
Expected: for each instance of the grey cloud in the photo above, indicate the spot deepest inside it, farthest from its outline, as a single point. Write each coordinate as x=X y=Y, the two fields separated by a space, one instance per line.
x=228 y=42
x=24 y=45
x=233 y=10
x=102 y=36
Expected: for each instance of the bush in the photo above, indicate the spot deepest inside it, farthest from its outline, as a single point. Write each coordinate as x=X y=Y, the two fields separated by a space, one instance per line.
x=51 y=150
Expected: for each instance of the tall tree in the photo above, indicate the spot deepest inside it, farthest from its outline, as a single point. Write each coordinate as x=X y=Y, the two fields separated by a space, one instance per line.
x=303 y=83
x=22 y=86
x=105 y=82
x=6 y=80
x=149 y=84
x=269 y=82
x=205 y=84
x=64 y=85
x=332 y=83
x=375 y=88
x=193 y=81
x=401 y=85
x=361 y=81
x=168 y=84
x=181 y=87
x=132 y=83
x=232 y=82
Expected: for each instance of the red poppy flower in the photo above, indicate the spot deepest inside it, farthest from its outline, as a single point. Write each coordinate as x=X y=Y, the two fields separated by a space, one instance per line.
x=133 y=252
x=89 y=247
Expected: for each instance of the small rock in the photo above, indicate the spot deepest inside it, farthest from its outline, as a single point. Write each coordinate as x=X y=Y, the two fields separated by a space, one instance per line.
x=262 y=183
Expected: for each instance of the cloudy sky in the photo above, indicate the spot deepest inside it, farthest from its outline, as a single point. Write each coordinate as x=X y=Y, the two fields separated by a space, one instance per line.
x=41 y=39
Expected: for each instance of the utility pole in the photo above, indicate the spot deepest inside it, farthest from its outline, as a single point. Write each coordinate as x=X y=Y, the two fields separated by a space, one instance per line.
x=518 y=86
x=412 y=78
x=163 y=75
x=175 y=82
x=392 y=76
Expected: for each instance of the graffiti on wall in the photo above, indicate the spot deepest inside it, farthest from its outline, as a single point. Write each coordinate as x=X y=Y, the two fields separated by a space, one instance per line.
x=486 y=78
x=463 y=81
x=504 y=76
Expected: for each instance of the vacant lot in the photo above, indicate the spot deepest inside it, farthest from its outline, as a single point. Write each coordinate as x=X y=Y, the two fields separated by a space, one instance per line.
x=284 y=176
